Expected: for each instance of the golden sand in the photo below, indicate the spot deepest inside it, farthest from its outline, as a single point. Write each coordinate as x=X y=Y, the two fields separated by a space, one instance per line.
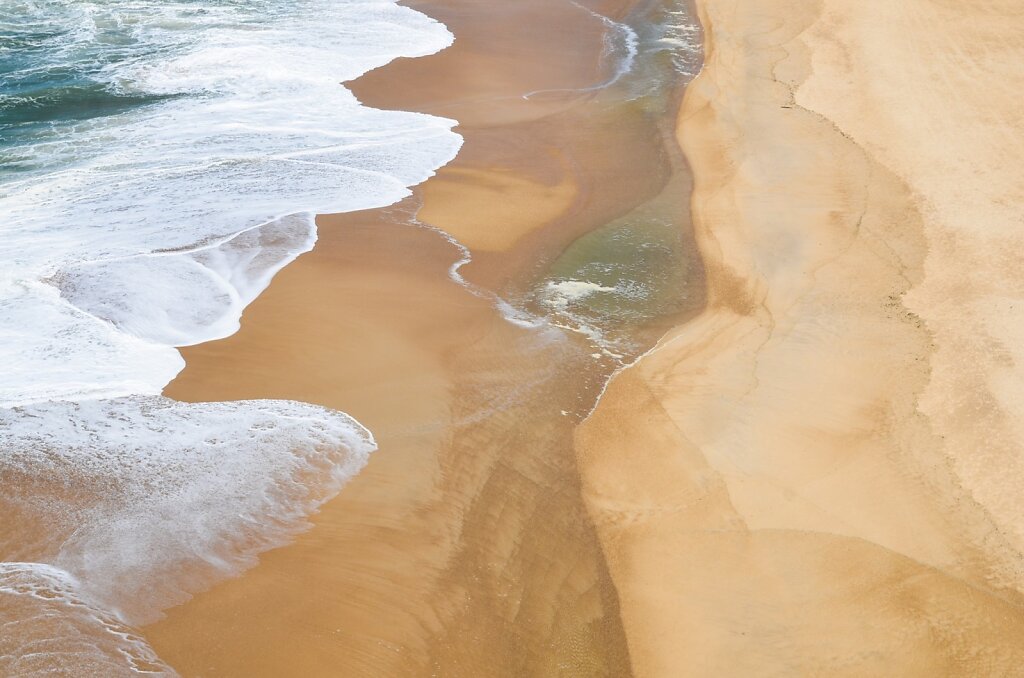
x=821 y=474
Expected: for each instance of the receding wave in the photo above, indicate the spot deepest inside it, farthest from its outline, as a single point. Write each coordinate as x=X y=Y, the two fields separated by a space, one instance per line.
x=145 y=499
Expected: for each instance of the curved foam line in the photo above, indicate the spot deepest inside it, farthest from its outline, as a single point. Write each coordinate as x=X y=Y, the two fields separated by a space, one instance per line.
x=631 y=41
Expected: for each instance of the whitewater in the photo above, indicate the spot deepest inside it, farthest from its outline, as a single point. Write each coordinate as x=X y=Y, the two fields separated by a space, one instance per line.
x=160 y=161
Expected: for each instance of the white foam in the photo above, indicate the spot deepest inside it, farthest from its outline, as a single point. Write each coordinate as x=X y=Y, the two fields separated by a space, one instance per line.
x=562 y=298
x=680 y=34
x=560 y=294
x=49 y=349
x=191 y=296
x=510 y=313
x=131 y=234
x=260 y=130
x=620 y=38
x=50 y=629
x=145 y=499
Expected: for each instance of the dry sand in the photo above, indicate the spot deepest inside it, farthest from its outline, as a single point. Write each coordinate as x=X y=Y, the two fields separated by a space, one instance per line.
x=822 y=474
x=464 y=548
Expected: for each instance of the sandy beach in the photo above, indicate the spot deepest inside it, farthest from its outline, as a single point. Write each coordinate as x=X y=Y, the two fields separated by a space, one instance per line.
x=820 y=474
x=813 y=466
x=470 y=338
x=464 y=548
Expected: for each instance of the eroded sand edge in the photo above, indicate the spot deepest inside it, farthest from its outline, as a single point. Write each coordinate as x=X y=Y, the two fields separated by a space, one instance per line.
x=820 y=474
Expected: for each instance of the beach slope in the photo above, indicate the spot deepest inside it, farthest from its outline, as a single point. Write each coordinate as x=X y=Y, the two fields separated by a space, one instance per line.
x=821 y=473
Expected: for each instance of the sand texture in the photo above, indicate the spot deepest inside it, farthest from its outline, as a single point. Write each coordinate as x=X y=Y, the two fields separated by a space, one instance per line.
x=822 y=473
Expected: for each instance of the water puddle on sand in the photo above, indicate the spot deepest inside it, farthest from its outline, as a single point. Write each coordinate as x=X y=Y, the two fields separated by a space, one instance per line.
x=625 y=283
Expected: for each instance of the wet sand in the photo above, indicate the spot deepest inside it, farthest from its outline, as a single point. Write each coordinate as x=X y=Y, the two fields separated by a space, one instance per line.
x=464 y=547
x=821 y=473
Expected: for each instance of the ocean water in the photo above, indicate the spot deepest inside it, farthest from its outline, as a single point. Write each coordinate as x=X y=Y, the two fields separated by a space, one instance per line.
x=160 y=161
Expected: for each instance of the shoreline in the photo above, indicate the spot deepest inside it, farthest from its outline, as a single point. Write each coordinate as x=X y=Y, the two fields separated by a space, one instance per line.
x=463 y=547
x=808 y=499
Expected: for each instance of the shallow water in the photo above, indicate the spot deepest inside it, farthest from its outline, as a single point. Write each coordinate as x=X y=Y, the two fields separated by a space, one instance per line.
x=616 y=280
x=623 y=283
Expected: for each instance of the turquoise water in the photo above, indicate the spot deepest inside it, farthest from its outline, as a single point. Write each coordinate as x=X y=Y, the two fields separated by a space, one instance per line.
x=56 y=61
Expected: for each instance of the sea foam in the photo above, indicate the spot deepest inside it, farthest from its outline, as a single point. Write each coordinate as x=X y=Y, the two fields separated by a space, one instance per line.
x=162 y=161
x=254 y=128
x=50 y=629
x=145 y=499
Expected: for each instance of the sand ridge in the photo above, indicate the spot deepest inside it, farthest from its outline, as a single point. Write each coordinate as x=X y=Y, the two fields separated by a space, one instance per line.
x=818 y=474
